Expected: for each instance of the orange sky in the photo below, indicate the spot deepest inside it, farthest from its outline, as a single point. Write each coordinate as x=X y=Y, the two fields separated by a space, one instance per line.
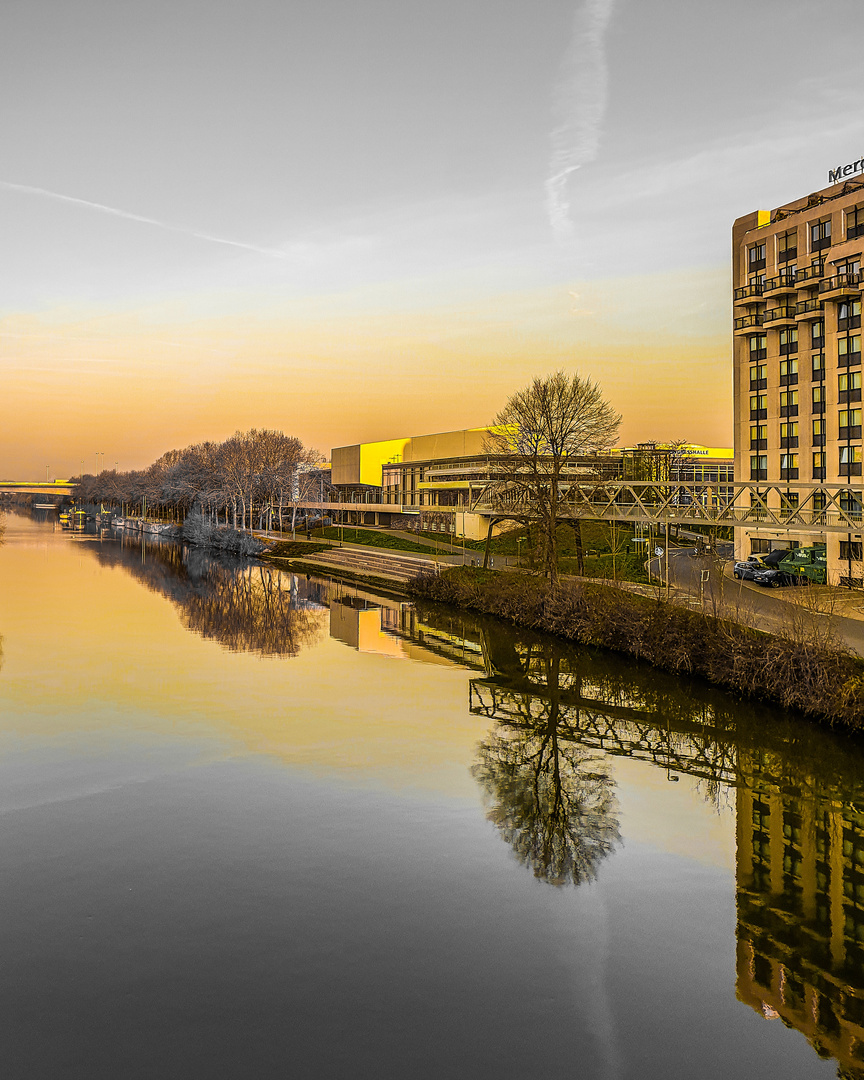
x=383 y=232
x=347 y=368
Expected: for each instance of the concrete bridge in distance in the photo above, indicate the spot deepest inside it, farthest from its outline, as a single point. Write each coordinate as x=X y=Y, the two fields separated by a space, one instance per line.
x=36 y=487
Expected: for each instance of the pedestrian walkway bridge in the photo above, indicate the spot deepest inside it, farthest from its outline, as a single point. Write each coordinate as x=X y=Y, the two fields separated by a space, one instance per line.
x=36 y=487
x=790 y=507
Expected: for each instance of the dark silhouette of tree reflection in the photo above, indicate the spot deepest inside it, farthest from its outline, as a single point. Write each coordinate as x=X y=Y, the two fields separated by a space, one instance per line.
x=250 y=609
x=552 y=800
x=244 y=606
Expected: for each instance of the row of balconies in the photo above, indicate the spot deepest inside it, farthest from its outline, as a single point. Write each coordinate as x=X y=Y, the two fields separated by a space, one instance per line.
x=788 y=315
x=830 y=288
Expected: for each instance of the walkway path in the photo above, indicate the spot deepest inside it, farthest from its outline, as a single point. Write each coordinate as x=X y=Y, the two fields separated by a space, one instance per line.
x=774 y=610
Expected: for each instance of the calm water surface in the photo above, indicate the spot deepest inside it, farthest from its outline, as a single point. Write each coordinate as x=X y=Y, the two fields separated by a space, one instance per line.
x=260 y=826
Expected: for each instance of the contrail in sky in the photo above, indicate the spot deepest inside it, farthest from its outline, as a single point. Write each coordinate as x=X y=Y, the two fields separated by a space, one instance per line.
x=27 y=189
x=578 y=107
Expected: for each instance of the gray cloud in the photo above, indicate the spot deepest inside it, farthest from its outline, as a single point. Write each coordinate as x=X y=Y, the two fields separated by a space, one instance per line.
x=28 y=189
x=579 y=107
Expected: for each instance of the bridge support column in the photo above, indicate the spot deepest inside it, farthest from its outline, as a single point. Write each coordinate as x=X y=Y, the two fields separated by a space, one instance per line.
x=488 y=542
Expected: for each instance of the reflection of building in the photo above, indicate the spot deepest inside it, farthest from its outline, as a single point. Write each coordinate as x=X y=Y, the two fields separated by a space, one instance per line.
x=800 y=834
x=797 y=347
x=372 y=623
x=800 y=872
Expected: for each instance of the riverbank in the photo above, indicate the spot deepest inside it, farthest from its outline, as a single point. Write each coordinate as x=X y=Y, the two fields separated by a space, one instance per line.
x=801 y=669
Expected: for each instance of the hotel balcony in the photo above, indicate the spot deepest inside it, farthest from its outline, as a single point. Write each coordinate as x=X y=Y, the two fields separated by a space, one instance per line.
x=779 y=316
x=809 y=309
x=746 y=323
x=783 y=283
x=840 y=285
x=812 y=274
x=748 y=293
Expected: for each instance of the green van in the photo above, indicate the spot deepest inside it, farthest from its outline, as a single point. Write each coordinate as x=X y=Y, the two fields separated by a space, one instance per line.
x=809 y=562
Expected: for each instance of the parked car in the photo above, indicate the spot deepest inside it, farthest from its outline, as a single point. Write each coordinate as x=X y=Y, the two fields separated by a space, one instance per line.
x=773 y=579
x=749 y=570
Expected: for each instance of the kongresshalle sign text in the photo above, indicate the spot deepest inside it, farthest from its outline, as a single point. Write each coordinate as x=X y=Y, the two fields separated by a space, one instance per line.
x=844 y=171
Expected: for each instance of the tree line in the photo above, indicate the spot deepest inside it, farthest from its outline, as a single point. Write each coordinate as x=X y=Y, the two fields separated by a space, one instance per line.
x=253 y=477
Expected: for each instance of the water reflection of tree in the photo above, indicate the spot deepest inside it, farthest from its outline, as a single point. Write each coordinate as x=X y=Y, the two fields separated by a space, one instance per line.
x=797 y=791
x=551 y=799
x=244 y=606
x=251 y=610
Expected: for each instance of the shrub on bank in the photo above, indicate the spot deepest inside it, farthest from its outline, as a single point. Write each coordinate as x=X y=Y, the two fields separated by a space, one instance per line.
x=797 y=670
x=197 y=531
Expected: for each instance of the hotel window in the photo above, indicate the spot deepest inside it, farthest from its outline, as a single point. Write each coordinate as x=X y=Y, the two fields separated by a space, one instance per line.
x=788 y=372
x=817 y=334
x=787 y=246
x=758 y=406
x=849 y=386
x=855 y=222
x=758 y=466
x=758 y=377
x=759 y=437
x=818 y=432
x=755 y=258
x=849 y=350
x=819 y=465
x=789 y=435
x=850 y=461
x=850 y=424
x=789 y=499
x=850 y=501
x=818 y=398
x=788 y=402
x=817 y=362
x=820 y=235
x=789 y=340
x=849 y=315
x=758 y=347
x=788 y=466
x=850 y=549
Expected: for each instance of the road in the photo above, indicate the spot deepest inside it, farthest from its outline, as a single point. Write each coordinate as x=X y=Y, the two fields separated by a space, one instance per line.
x=767 y=609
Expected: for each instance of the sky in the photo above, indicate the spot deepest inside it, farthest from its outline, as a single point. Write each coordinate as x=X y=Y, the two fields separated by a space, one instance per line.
x=361 y=221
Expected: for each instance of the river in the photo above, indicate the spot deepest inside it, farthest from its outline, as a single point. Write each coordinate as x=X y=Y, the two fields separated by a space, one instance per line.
x=256 y=825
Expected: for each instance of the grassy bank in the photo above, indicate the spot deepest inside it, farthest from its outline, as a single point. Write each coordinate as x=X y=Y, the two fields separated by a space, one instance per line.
x=290 y=549
x=609 y=550
x=798 y=671
x=371 y=538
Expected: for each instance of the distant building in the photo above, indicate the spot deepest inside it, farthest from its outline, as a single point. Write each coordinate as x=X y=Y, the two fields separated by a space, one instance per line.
x=796 y=277
x=438 y=482
x=687 y=462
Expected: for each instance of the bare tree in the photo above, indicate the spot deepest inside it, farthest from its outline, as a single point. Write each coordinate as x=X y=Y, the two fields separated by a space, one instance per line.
x=537 y=439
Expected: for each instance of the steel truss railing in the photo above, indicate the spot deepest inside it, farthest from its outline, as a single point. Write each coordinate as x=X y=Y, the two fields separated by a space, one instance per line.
x=790 y=507
x=595 y=724
x=785 y=506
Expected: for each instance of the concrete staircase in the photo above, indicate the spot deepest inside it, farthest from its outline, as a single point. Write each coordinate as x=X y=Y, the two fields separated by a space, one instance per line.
x=380 y=563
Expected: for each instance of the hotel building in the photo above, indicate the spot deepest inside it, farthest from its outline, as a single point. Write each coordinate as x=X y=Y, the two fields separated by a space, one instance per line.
x=796 y=274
